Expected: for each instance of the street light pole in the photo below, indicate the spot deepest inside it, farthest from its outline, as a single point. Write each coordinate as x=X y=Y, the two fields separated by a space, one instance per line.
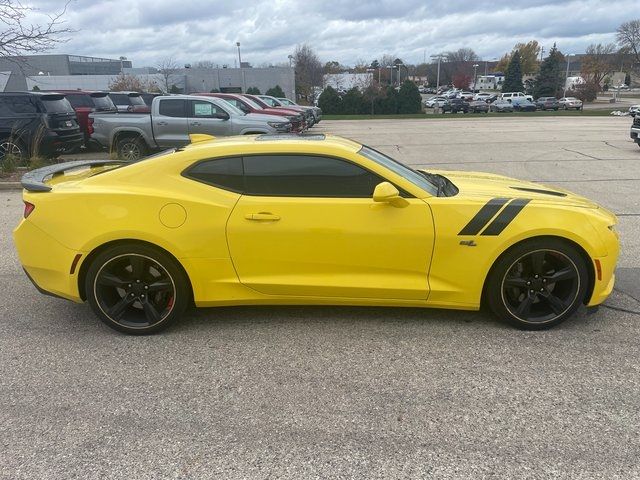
x=239 y=57
x=439 y=57
x=566 y=77
x=475 y=76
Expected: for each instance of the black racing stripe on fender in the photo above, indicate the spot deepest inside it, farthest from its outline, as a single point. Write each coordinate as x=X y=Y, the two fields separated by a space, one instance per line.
x=505 y=217
x=485 y=214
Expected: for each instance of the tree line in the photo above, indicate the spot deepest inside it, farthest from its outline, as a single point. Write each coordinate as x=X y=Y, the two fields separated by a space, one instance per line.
x=374 y=100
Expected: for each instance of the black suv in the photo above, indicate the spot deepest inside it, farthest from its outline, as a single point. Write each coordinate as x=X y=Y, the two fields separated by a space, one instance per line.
x=37 y=124
x=455 y=105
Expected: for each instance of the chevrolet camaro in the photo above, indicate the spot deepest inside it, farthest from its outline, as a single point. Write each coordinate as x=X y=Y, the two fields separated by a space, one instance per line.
x=311 y=220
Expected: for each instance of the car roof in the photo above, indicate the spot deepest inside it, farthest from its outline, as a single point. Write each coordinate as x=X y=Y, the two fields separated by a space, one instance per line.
x=287 y=141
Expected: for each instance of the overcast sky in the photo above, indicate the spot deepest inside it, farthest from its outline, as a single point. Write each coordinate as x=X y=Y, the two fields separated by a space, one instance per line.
x=146 y=31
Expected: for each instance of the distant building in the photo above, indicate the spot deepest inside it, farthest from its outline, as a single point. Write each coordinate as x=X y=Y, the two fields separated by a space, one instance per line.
x=493 y=81
x=19 y=68
x=71 y=72
x=343 y=82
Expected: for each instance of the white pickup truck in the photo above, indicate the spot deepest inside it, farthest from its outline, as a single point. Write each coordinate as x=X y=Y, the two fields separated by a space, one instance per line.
x=171 y=121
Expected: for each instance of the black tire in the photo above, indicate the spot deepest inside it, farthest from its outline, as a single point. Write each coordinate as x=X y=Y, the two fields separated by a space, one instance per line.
x=537 y=284
x=16 y=149
x=137 y=289
x=131 y=149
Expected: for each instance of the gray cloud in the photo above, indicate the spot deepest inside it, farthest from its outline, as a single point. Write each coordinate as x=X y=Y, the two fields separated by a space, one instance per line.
x=340 y=30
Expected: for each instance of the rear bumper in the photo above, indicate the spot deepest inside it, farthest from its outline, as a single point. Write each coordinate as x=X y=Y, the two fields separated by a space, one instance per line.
x=46 y=262
x=55 y=143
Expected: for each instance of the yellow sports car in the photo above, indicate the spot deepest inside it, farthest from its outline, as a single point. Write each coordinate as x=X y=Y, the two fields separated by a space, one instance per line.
x=307 y=219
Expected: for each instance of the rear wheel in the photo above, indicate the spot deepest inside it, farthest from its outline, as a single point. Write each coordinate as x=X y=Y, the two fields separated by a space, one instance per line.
x=537 y=284
x=136 y=289
x=131 y=149
x=14 y=150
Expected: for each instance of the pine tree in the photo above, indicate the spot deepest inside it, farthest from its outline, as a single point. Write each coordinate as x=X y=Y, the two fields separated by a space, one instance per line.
x=253 y=91
x=550 y=80
x=330 y=102
x=353 y=102
x=275 y=92
x=513 y=75
x=409 y=99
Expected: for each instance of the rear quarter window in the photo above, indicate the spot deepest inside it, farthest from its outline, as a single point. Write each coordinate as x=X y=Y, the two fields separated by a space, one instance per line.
x=17 y=105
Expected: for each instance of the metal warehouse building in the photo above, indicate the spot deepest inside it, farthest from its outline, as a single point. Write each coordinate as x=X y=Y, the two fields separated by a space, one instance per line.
x=70 y=72
x=16 y=69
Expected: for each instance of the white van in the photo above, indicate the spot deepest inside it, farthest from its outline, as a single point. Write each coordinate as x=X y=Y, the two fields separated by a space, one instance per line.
x=508 y=96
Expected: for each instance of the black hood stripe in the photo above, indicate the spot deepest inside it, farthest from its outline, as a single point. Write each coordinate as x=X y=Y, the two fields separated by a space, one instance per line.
x=485 y=214
x=505 y=217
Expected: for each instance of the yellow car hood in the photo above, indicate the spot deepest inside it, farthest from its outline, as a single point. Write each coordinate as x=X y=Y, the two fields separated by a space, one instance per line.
x=480 y=184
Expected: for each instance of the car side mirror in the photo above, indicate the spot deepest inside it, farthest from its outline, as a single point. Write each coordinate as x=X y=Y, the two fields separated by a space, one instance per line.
x=385 y=192
x=221 y=115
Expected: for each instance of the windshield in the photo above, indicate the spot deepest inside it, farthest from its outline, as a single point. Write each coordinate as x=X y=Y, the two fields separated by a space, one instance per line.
x=103 y=102
x=228 y=107
x=57 y=104
x=414 y=177
x=286 y=101
x=260 y=102
x=253 y=104
x=136 y=100
x=78 y=100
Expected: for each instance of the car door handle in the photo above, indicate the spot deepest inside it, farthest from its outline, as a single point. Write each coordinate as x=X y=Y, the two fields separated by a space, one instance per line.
x=162 y=122
x=262 y=217
x=196 y=124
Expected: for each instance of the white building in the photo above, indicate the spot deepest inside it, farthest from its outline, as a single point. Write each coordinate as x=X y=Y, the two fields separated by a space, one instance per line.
x=490 y=82
x=343 y=82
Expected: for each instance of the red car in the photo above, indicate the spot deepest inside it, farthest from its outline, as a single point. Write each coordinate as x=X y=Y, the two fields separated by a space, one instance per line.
x=248 y=105
x=271 y=102
x=86 y=102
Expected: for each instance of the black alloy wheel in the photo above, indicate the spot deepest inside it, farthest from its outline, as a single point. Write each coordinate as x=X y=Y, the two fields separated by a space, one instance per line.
x=136 y=289
x=538 y=284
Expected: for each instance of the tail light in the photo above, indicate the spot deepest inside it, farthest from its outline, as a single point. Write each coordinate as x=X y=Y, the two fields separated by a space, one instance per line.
x=90 y=126
x=28 y=208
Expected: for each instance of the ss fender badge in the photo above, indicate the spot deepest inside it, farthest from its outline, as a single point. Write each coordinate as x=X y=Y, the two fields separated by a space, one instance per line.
x=468 y=243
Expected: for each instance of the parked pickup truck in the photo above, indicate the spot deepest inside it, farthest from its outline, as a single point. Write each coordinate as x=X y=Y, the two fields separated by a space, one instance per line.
x=635 y=130
x=171 y=121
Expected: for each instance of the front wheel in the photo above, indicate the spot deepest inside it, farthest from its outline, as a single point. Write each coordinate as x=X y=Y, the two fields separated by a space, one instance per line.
x=137 y=289
x=537 y=284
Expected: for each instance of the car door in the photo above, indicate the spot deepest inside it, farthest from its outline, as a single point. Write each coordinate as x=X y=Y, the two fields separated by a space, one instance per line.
x=208 y=117
x=169 y=123
x=307 y=226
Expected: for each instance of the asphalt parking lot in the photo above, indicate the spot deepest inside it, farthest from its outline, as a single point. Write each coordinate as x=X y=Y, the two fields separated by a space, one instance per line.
x=319 y=392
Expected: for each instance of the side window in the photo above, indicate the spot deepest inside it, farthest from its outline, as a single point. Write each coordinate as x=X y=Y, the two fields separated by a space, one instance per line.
x=202 y=109
x=307 y=176
x=225 y=173
x=172 y=108
x=17 y=105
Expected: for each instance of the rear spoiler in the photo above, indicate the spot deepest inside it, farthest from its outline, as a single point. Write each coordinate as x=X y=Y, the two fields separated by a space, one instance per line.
x=34 y=180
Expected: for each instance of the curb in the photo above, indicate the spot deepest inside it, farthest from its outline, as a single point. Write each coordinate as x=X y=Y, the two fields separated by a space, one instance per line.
x=10 y=186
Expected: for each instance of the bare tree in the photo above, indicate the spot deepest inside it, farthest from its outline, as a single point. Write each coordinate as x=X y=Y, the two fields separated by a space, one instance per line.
x=598 y=62
x=308 y=71
x=19 y=37
x=462 y=55
x=167 y=68
x=628 y=35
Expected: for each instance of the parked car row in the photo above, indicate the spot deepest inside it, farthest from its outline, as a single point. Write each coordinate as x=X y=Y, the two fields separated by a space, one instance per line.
x=173 y=118
x=460 y=101
x=48 y=124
